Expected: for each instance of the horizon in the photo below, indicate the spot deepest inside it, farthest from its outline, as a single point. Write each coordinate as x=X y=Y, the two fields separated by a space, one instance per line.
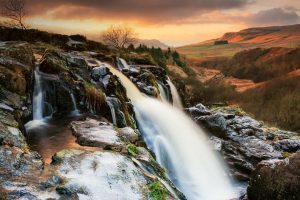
x=172 y=22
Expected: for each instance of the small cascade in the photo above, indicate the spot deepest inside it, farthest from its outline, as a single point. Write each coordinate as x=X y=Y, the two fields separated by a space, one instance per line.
x=38 y=97
x=122 y=64
x=179 y=145
x=162 y=91
x=175 y=96
x=43 y=99
x=75 y=111
x=112 y=110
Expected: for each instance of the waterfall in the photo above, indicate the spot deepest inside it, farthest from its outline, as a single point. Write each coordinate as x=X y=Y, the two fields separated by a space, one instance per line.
x=75 y=111
x=112 y=110
x=162 y=92
x=42 y=100
x=175 y=96
x=122 y=64
x=180 y=146
x=38 y=96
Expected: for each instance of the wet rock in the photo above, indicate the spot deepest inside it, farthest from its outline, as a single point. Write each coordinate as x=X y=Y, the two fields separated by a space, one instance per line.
x=242 y=140
x=128 y=134
x=198 y=110
x=276 y=179
x=101 y=134
x=99 y=72
x=53 y=63
x=100 y=175
x=288 y=145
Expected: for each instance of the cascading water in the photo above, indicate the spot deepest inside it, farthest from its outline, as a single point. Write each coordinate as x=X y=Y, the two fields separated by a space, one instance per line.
x=175 y=96
x=37 y=97
x=75 y=109
x=122 y=64
x=112 y=109
x=162 y=92
x=180 y=146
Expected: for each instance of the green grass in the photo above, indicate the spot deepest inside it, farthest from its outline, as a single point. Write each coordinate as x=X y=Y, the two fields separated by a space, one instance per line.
x=210 y=50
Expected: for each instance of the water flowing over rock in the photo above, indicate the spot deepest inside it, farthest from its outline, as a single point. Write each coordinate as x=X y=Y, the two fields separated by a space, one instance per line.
x=99 y=175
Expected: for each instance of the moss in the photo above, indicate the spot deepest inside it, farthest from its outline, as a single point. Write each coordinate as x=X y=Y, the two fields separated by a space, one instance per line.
x=157 y=191
x=132 y=150
x=286 y=154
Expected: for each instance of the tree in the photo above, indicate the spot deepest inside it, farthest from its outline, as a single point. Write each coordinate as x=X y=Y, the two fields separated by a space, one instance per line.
x=119 y=36
x=14 y=10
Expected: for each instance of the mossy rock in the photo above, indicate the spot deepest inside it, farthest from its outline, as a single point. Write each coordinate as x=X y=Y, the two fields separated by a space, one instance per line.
x=53 y=63
x=158 y=191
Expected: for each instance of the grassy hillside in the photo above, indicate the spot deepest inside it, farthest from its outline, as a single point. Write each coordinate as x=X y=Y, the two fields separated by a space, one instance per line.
x=265 y=37
x=258 y=64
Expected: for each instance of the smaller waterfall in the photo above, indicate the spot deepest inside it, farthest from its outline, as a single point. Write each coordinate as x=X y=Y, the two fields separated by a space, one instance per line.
x=163 y=94
x=122 y=64
x=175 y=96
x=112 y=110
x=38 y=96
x=75 y=111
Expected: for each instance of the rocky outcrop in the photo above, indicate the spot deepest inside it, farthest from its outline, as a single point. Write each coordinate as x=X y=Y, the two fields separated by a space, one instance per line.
x=276 y=179
x=243 y=141
x=91 y=132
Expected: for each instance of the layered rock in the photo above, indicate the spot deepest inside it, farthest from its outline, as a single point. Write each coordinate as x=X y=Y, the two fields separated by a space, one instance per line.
x=243 y=141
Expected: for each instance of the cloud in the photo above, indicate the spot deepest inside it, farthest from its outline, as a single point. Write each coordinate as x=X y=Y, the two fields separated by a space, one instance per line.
x=274 y=16
x=147 y=10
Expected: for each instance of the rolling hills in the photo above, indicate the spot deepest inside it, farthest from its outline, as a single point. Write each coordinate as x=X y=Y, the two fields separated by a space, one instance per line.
x=264 y=37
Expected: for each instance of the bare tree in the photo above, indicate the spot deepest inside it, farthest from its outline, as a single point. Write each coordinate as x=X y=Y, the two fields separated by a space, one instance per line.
x=119 y=36
x=14 y=10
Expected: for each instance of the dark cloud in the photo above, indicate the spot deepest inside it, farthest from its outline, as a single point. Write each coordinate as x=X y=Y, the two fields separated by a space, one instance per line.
x=149 y=10
x=275 y=16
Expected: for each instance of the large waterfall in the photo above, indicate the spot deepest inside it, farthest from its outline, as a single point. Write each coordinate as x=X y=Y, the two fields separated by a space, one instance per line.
x=180 y=146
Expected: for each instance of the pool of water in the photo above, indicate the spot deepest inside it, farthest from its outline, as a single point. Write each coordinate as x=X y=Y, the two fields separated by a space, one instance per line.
x=53 y=135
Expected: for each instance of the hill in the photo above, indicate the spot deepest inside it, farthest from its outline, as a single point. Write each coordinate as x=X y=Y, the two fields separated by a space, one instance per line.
x=264 y=37
x=151 y=43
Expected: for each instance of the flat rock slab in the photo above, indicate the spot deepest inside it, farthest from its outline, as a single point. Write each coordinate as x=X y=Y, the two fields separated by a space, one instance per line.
x=99 y=175
x=95 y=133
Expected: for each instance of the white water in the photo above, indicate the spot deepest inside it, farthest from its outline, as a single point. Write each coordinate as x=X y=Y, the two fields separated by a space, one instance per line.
x=175 y=96
x=37 y=97
x=163 y=94
x=123 y=63
x=180 y=146
x=75 y=111
x=112 y=110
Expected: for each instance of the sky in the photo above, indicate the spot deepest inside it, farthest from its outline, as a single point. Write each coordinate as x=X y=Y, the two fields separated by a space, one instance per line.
x=174 y=22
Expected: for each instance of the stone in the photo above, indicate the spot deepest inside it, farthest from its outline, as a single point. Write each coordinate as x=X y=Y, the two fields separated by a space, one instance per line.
x=276 y=180
x=95 y=133
x=101 y=175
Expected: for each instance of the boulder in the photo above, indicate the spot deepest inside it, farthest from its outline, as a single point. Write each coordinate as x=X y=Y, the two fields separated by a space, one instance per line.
x=276 y=180
x=53 y=63
x=91 y=132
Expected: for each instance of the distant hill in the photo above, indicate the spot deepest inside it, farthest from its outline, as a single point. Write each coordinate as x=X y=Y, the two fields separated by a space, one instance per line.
x=151 y=43
x=265 y=37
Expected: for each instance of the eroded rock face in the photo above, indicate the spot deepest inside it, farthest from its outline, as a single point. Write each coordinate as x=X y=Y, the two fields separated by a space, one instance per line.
x=100 y=175
x=243 y=141
x=276 y=180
